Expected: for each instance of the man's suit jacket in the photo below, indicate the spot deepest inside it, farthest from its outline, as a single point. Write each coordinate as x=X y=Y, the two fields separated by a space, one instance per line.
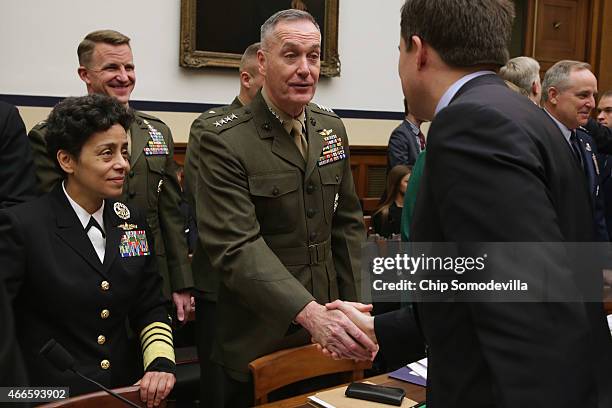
x=280 y=230
x=588 y=151
x=13 y=371
x=403 y=147
x=151 y=185
x=60 y=289
x=605 y=182
x=17 y=178
x=498 y=171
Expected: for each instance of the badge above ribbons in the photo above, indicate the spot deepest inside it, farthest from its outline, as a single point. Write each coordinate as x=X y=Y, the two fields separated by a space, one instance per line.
x=333 y=150
x=157 y=145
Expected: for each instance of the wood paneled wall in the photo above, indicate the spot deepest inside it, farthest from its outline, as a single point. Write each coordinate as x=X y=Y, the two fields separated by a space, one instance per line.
x=571 y=29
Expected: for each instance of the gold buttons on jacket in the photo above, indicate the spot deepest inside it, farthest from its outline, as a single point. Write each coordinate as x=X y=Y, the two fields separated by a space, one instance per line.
x=105 y=285
x=105 y=313
x=105 y=364
x=101 y=339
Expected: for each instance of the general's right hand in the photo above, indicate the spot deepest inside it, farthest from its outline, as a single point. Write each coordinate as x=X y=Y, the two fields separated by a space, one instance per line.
x=335 y=332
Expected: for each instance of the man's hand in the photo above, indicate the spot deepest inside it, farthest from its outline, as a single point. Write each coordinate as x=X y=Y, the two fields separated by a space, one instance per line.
x=359 y=314
x=184 y=304
x=336 y=333
x=155 y=386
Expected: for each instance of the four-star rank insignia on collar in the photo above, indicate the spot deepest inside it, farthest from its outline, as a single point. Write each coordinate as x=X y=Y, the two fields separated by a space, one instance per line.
x=333 y=150
x=225 y=120
x=121 y=210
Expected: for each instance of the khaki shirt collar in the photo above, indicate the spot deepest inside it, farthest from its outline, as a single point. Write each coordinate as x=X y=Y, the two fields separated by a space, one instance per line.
x=285 y=119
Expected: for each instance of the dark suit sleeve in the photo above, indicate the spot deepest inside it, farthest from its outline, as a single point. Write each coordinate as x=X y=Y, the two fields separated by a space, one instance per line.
x=347 y=235
x=399 y=324
x=13 y=253
x=492 y=184
x=172 y=225
x=397 y=151
x=47 y=173
x=13 y=371
x=602 y=135
x=17 y=179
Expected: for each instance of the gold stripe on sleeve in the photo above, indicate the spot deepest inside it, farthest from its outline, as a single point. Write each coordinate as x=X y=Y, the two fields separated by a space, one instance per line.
x=156 y=341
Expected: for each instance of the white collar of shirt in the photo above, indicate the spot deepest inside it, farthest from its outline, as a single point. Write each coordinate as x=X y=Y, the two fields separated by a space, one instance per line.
x=82 y=213
x=452 y=90
x=414 y=128
x=567 y=132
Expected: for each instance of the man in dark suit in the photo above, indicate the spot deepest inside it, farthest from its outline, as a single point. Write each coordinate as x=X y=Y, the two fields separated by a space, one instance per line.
x=406 y=141
x=496 y=171
x=17 y=178
x=604 y=116
x=562 y=83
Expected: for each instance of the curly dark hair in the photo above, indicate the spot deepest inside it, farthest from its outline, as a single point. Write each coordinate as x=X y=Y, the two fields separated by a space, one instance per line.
x=73 y=121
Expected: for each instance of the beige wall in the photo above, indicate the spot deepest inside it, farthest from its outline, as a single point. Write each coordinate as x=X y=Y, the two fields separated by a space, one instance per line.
x=362 y=132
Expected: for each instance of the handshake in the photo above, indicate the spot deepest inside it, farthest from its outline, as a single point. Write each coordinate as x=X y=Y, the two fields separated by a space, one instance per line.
x=341 y=329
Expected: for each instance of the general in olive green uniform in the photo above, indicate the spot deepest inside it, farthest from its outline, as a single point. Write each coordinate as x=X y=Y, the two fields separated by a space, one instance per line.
x=281 y=230
x=151 y=185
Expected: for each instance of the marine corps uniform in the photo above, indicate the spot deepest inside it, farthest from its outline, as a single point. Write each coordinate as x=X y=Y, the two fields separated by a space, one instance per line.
x=281 y=231
x=190 y=167
x=205 y=293
x=151 y=185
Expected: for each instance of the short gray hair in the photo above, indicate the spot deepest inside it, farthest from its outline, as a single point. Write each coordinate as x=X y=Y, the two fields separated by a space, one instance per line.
x=558 y=75
x=522 y=72
x=284 y=15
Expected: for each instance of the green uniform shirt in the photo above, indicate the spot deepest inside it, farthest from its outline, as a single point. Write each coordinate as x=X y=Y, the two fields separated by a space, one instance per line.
x=280 y=230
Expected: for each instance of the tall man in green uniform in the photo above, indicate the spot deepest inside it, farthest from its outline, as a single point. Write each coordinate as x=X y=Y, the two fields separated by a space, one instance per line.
x=278 y=215
x=106 y=66
x=206 y=281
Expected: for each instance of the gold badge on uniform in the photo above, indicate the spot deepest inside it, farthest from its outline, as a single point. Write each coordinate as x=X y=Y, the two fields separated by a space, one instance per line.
x=127 y=227
x=121 y=210
x=333 y=150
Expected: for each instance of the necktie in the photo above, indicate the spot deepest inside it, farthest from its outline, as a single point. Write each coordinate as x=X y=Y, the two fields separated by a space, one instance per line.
x=576 y=148
x=97 y=237
x=421 y=140
x=297 y=131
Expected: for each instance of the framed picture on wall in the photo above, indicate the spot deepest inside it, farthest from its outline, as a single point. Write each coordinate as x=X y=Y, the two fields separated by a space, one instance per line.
x=215 y=33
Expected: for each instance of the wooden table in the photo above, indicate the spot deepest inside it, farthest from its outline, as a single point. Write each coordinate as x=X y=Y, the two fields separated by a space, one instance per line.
x=414 y=392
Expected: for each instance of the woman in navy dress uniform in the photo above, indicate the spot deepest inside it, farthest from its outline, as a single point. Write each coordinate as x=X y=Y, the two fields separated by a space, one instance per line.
x=78 y=265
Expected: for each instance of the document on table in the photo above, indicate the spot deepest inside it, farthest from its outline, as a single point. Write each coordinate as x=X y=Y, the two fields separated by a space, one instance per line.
x=419 y=367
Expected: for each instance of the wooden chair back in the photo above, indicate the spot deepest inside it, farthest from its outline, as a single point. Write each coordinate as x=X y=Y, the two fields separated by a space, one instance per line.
x=289 y=366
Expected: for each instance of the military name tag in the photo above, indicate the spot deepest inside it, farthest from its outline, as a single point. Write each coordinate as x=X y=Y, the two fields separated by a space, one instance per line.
x=157 y=145
x=134 y=243
x=333 y=150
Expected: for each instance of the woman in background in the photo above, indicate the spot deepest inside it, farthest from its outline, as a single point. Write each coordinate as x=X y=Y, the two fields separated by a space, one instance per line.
x=79 y=265
x=386 y=220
